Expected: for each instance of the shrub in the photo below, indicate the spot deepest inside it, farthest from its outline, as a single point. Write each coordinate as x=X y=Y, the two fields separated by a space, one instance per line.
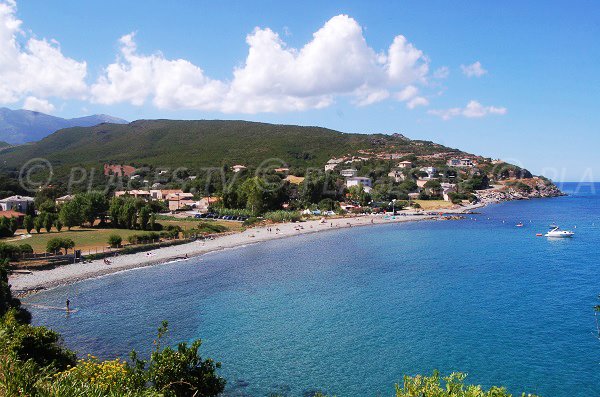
x=114 y=240
x=283 y=216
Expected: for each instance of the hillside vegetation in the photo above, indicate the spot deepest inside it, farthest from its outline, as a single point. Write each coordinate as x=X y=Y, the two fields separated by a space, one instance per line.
x=194 y=144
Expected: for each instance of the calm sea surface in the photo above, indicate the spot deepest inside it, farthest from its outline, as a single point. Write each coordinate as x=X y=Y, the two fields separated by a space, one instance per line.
x=349 y=312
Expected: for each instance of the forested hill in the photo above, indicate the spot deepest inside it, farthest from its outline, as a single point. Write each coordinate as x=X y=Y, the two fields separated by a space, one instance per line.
x=168 y=143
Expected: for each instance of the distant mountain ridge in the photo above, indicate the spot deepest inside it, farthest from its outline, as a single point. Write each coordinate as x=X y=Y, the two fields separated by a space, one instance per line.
x=21 y=126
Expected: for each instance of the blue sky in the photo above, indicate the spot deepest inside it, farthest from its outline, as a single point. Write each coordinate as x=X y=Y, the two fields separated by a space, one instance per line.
x=535 y=94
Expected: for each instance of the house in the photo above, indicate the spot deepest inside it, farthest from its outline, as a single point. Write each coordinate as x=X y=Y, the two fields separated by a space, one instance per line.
x=448 y=188
x=281 y=170
x=64 y=199
x=178 y=196
x=143 y=194
x=237 y=168
x=206 y=202
x=460 y=162
x=397 y=175
x=333 y=163
x=13 y=214
x=405 y=164
x=162 y=194
x=16 y=203
x=414 y=196
x=430 y=171
x=175 y=205
x=349 y=173
x=421 y=183
x=366 y=183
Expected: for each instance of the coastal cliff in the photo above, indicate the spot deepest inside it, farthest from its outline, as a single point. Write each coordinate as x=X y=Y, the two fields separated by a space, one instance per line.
x=521 y=189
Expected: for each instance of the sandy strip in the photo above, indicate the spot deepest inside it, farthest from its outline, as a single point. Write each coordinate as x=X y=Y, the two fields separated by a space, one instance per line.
x=67 y=274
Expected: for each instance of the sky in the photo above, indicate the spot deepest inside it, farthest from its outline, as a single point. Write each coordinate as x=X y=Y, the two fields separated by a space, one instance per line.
x=513 y=80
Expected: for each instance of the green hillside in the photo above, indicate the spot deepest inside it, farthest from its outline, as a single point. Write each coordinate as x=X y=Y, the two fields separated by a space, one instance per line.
x=4 y=144
x=194 y=144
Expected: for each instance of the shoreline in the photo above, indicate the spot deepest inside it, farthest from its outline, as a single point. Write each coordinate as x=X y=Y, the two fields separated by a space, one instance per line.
x=25 y=284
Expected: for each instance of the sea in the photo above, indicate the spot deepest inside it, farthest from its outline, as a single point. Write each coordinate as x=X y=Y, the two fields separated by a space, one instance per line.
x=350 y=312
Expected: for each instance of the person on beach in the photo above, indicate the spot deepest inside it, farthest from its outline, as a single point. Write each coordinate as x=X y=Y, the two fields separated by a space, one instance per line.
x=68 y=302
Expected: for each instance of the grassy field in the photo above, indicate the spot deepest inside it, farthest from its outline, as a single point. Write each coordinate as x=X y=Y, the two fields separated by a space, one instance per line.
x=91 y=240
x=429 y=205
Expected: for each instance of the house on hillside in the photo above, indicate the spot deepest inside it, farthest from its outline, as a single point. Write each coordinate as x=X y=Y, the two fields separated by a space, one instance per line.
x=430 y=171
x=397 y=175
x=64 y=199
x=237 y=168
x=16 y=203
x=143 y=194
x=13 y=214
x=158 y=194
x=180 y=200
x=366 y=183
x=405 y=164
x=448 y=188
x=460 y=162
x=349 y=173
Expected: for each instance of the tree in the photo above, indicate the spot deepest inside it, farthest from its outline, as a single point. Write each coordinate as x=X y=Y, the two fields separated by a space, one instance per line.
x=71 y=213
x=5 y=227
x=54 y=245
x=94 y=206
x=114 y=240
x=28 y=223
x=358 y=195
x=180 y=372
x=153 y=221
x=58 y=224
x=38 y=224
x=452 y=386
x=144 y=217
x=48 y=221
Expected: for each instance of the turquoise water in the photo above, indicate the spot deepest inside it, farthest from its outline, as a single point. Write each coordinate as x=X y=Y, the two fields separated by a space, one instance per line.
x=349 y=312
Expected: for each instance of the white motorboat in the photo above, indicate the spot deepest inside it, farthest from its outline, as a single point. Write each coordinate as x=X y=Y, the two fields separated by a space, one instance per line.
x=556 y=232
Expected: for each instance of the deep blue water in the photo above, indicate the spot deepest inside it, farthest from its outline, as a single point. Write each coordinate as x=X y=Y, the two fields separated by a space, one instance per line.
x=350 y=311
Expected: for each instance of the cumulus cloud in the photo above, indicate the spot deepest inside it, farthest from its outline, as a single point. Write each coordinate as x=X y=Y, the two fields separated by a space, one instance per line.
x=337 y=62
x=473 y=70
x=38 y=105
x=34 y=67
x=441 y=73
x=473 y=109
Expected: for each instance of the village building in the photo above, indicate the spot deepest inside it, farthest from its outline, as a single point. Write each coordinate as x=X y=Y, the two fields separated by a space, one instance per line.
x=16 y=203
x=405 y=164
x=366 y=183
x=430 y=171
x=143 y=194
x=237 y=168
x=64 y=199
x=397 y=175
x=349 y=173
x=158 y=194
x=13 y=214
x=460 y=162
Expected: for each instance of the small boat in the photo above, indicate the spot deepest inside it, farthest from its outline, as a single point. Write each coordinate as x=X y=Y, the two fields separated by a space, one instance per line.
x=520 y=224
x=556 y=232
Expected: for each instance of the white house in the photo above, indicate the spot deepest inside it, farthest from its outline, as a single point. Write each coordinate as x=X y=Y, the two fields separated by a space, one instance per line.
x=16 y=203
x=431 y=172
x=237 y=168
x=330 y=167
x=397 y=175
x=349 y=173
x=448 y=188
x=360 y=180
x=460 y=162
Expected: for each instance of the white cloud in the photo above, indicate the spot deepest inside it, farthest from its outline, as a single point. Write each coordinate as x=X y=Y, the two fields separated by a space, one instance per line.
x=417 y=101
x=473 y=109
x=441 y=73
x=473 y=70
x=337 y=62
x=36 y=67
x=38 y=105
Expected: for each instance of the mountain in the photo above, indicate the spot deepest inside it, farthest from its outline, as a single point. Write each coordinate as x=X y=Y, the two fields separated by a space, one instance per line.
x=195 y=144
x=4 y=144
x=21 y=126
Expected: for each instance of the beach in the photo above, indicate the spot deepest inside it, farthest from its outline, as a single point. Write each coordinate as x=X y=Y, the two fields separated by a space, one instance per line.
x=38 y=280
